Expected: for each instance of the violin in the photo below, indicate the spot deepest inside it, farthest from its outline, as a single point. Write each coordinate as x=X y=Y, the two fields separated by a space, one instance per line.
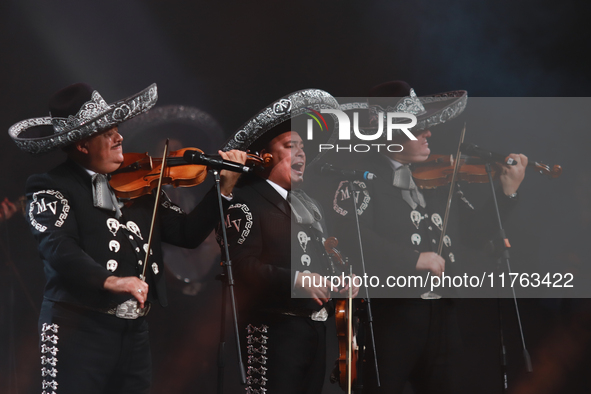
x=139 y=173
x=346 y=365
x=437 y=171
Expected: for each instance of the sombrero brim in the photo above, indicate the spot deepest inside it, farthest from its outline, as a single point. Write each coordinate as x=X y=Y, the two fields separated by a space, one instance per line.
x=116 y=113
x=439 y=108
x=282 y=110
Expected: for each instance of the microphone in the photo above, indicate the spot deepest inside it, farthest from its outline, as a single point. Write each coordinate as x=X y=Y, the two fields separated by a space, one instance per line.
x=488 y=156
x=195 y=157
x=329 y=170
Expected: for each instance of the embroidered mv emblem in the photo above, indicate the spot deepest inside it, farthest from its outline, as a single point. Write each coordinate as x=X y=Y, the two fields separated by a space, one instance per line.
x=42 y=206
x=235 y=223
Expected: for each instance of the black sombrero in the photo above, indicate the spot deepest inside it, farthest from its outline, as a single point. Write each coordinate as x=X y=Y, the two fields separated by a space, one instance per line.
x=271 y=120
x=398 y=96
x=77 y=112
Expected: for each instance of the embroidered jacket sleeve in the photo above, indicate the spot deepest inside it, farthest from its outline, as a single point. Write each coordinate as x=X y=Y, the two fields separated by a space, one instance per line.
x=54 y=224
x=384 y=240
x=259 y=247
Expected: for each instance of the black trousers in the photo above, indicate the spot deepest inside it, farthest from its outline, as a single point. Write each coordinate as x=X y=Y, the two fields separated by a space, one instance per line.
x=417 y=341
x=286 y=354
x=89 y=352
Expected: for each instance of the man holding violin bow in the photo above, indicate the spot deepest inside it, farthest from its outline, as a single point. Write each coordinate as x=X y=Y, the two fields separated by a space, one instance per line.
x=102 y=273
x=416 y=333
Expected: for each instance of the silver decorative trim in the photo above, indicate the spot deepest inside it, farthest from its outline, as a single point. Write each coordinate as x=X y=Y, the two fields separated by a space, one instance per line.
x=260 y=360
x=250 y=339
x=94 y=108
x=284 y=109
x=83 y=124
x=52 y=384
x=48 y=364
x=114 y=246
x=253 y=370
x=49 y=372
x=250 y=390
x=354 y=106
x=343 y=193
x=49 y=360
x=42 y=207
x=252 y=329
x=129 y=310
x=256 y=350
x=321 y=315
x=418 y=107
x=49 y=338
x=49 y=349
x=260 y=381
x=248 y=225
x=113 y=226
x=50 y=327
x=256 y=363
x=169 y=205
x=112 y=265
x=134 y=228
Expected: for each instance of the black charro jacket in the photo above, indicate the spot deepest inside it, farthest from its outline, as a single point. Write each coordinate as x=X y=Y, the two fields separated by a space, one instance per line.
x=267 y=246
x=394 y=234
x=82 y=245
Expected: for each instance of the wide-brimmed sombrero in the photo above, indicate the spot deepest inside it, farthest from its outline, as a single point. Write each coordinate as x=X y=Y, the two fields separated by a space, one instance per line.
x=275 y=118
x=398 y=96
x=77 y=112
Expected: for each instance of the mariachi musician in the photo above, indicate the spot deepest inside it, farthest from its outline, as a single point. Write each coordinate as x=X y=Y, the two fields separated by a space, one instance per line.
x=275 y=238
x=92 y=325
x=416 y=334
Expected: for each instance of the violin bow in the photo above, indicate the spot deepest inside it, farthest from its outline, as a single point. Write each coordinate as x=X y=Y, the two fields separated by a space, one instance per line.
x=451 y=191
x=156 y=203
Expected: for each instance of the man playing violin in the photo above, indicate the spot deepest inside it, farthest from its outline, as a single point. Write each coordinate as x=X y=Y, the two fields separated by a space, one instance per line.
x=416 y=334
x=92 y=325
x=275 y=239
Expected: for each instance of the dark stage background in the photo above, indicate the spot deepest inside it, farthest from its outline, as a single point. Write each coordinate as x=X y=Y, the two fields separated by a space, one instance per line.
x=231 y=58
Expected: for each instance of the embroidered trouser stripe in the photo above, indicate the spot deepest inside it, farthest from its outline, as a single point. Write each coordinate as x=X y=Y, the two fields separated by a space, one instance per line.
x=49 y=350
x=257 y=350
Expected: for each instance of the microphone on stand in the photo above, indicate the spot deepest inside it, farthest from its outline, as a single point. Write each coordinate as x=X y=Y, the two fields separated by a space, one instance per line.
x=329 y=170
x=196 y=157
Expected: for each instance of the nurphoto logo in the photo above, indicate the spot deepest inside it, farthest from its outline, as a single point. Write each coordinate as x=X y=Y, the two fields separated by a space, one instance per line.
x=394 y=121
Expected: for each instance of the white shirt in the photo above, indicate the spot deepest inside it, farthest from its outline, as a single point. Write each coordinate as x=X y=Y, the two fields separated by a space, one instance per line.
x=395 y=164
x=279 y=189
x=283 y=193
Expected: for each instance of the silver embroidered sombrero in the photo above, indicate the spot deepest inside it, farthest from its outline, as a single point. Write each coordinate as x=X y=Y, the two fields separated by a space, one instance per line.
x=77 y=112
x=284 y=109
x=398 y=96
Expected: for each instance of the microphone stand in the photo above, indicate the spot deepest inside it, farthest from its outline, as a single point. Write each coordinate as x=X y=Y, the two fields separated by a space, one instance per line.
x=502 y=245
x=227 y=279
x=355 y=190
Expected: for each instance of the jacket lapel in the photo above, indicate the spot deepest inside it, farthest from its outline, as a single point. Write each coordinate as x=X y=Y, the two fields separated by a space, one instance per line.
x=262 y=187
